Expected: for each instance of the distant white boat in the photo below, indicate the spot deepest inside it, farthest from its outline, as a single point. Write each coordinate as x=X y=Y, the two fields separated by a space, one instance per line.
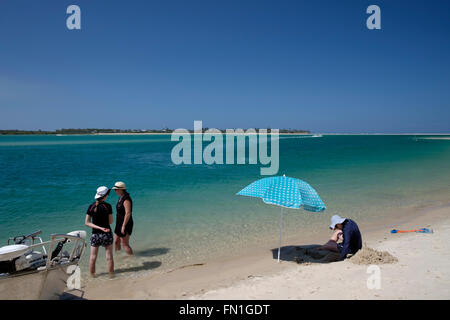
x=316 y=136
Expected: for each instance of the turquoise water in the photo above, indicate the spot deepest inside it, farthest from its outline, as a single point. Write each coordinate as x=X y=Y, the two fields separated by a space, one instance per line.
x=190 y=213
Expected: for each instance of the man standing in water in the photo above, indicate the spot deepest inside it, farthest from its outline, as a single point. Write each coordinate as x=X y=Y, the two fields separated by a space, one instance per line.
x=124 y=219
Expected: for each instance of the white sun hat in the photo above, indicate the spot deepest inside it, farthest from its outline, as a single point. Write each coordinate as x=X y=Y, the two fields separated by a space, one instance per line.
x=101 y=192
x=336 y=220
x=119 y=185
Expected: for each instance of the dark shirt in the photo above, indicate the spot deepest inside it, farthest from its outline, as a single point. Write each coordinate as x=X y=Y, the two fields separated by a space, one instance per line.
x=120 y=216
x=101 y=217
x=120 y=208
x=352 y=238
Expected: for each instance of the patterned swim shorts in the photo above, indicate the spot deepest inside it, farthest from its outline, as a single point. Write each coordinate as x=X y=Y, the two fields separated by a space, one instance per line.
x=102 y=239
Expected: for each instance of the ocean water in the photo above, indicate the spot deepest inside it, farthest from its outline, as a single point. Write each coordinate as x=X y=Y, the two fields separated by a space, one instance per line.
x=190 y=213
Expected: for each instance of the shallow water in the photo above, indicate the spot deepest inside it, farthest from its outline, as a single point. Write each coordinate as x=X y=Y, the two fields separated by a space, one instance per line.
x=190 y=213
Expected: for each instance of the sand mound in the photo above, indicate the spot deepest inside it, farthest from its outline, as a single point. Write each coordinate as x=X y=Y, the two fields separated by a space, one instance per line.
x=371 y=256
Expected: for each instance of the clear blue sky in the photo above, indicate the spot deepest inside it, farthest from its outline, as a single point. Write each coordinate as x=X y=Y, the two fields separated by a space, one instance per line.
x=247 y=63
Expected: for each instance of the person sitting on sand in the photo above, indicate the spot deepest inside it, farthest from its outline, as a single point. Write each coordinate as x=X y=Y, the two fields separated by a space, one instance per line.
x=124 y=219
x=346 y=230
x=99 y=217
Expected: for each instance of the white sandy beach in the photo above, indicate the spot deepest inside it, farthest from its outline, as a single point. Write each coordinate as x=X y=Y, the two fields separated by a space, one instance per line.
x=422 y=271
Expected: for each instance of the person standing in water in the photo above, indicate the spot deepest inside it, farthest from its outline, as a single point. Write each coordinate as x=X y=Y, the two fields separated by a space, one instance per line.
x=124 y=219
x=99 y=217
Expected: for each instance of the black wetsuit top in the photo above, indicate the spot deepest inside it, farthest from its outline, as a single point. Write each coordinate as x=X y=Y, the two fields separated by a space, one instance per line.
x=120 y=208
x=101 y=217
x=352 y=238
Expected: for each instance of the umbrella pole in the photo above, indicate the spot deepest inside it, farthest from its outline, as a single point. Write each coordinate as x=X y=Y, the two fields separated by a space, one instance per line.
x=281 y=227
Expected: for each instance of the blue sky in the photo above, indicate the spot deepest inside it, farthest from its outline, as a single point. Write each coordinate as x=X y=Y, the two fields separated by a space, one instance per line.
x=280 y=64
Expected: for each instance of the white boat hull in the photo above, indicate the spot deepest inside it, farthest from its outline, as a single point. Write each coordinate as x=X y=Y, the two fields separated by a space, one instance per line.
x=35 y=285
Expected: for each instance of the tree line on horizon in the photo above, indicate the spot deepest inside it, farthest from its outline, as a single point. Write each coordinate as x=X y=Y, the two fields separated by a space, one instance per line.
x=96 y=131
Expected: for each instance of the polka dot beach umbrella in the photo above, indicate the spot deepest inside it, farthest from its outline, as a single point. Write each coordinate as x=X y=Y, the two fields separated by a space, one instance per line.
x=285 y=192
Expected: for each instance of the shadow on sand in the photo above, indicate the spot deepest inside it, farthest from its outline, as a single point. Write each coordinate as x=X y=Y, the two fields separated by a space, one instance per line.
x=151 y=252
x=147 y=265
x=305 y=254
x=72 y=295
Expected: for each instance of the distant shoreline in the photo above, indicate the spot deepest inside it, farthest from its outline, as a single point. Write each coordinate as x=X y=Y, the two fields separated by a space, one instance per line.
x=89 y=132
x=119 y=134
x=134 y=134
x=436 y=138
x=281 y=133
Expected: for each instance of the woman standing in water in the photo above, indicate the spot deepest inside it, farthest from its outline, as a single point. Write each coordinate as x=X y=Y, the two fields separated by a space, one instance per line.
x=99 y=217
x=124 y=219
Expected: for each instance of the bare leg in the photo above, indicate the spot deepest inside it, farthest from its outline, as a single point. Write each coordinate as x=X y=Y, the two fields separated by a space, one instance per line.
x=92 y=260
x=125 y=241
x=110 y=260
x=117 y=246
x=331 y=245
x=336 y=235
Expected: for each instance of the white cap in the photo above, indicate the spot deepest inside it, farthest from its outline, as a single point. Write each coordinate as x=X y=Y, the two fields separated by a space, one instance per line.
x=101 y=192
x=336 y=220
